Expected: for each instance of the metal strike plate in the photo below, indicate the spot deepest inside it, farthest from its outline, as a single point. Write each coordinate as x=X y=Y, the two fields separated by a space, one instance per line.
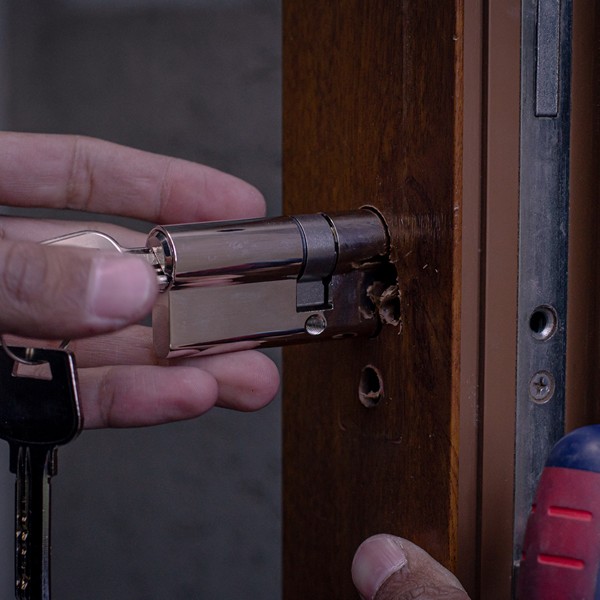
x=236 y=285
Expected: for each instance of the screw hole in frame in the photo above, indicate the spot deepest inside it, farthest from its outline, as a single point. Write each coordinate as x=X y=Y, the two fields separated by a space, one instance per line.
x=543 y=322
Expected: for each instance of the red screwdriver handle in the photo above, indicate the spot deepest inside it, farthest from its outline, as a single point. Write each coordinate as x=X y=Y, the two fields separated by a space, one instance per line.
x=561 y=550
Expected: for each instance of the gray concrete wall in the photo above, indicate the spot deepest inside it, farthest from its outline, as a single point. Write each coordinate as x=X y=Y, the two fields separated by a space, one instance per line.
x=6 y=480
x=188 y=510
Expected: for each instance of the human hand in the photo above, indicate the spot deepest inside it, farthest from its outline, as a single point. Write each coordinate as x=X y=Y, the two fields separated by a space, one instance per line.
x=391 y=568
x=95 y=298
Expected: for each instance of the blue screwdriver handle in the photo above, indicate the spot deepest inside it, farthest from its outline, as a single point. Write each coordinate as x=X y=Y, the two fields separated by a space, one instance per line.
x=561 y=551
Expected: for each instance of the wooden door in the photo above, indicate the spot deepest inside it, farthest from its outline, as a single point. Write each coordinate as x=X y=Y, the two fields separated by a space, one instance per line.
x=373 y=116
x=414 y=107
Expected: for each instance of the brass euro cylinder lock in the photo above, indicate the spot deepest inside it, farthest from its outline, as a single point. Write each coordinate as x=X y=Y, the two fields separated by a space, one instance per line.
x=236 y=285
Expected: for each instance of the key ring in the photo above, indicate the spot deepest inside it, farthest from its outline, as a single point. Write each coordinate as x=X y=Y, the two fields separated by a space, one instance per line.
x=29 y=352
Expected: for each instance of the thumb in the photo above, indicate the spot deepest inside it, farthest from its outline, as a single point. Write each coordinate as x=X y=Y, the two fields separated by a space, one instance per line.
x=64 y=292
x=392 y=568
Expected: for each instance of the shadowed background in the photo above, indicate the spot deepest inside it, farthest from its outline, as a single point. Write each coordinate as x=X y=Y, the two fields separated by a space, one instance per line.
x=188 y=510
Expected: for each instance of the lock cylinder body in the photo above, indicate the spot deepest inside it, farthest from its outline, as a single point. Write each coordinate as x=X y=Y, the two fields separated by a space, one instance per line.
x=236 y=285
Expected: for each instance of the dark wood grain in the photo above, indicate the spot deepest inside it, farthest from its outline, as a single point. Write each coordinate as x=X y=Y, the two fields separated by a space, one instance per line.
x=372 y=116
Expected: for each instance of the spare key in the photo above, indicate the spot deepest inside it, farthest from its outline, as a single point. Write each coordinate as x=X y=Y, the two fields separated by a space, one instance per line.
x=39 y=410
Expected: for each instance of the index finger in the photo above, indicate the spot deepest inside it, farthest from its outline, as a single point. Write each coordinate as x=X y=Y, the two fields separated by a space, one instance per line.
x=75 y=172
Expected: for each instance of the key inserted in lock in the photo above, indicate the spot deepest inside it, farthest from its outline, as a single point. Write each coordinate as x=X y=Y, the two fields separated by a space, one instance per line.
x=234 y=285
x=266 y=282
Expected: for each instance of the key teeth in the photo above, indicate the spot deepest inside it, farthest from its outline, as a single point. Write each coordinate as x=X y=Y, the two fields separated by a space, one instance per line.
x=52 y=462
x=22 y=584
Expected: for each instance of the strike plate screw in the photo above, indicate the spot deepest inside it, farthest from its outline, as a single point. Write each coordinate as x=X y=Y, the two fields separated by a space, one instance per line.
x=541 y=387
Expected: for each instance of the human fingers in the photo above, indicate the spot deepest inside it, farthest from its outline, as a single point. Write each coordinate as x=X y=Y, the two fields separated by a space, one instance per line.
x=74 y=172
x=386 y=567
x=137 y=396
x=65 y=293
x=133 y=345
x=247 y=380
x=42 y=230
x=130 y=345
x=134 y=396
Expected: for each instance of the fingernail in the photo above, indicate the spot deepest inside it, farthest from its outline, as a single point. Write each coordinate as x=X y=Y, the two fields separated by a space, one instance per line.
x=121 y=289
x=376 y=559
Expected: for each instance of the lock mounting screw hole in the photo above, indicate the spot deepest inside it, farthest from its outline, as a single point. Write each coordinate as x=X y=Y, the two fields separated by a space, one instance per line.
x=542 y=322
x=370 y=387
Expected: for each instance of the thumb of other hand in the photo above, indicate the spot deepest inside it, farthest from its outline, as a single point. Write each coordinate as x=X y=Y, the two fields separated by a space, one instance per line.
x=56 y=292
x=386 y=567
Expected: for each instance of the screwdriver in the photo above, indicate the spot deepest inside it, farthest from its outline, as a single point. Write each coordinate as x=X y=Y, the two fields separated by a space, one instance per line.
x=561 y=550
